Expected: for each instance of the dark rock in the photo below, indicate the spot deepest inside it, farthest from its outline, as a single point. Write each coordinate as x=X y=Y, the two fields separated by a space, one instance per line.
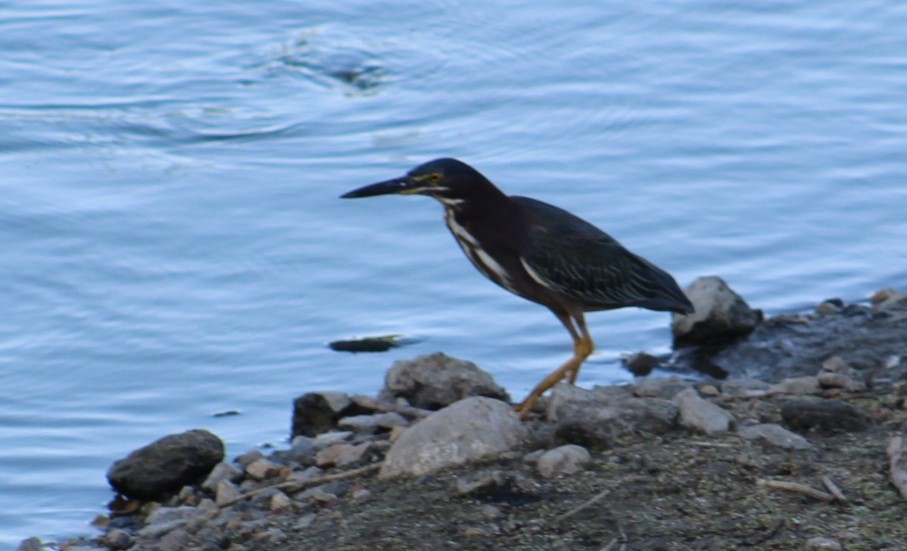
x=594 y=419
x=822 y=416
x=30 y=544
x=435 y=381
x=165 y=466
x=317 y=412
x=641 y=363
x=511 y=487
x=721 y=314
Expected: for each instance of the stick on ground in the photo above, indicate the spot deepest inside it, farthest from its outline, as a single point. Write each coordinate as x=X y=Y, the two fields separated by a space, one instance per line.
x=795 y=487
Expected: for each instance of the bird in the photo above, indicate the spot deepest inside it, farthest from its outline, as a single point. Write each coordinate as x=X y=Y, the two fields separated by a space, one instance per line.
x=539 y=252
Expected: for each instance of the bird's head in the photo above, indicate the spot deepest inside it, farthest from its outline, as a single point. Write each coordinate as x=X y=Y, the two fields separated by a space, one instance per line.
x=447 y=180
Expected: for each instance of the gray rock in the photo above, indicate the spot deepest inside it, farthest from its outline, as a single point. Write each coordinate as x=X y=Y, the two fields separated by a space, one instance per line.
x=664 y=387
x=328 y=439
x=744 y=387
x=465 y=431
x=317 y=412
x=262 y=469
x=30 y=544
x=226 y=492
x=774 y=435
x=822 y=415
x=249 y=457
x=822 y=544
x=563 y=460
x=342 y=455
x=361 y=424
x=221 y=471
x=435 y=381
x=280 y=501
x=721 y=314
x=807 y=384
x=117 y=539
x=166 y=465
x=702 y=415
x=175 y=540
x=390 y=420
x=593 y=418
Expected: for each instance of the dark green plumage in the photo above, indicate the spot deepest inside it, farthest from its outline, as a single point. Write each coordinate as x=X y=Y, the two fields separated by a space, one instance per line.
x=539 y=252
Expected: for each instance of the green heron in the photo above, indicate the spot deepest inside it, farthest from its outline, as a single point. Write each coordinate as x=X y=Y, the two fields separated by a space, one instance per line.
x=539 y=252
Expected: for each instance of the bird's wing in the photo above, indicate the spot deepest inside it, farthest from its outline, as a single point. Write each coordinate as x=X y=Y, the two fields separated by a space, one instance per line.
x=571 y=256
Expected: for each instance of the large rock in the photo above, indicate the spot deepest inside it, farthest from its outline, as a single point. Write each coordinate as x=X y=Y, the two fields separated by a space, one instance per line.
x=465 y=431
x=435 y=381
x=166 y=465
x=721 y=314
x=594 y=418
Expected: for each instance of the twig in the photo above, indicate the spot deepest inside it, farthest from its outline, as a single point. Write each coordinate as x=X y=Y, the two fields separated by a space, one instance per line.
x=795 y=487
x=369 y=403
x=833 y=489
x=596 y=498
x=296 y=485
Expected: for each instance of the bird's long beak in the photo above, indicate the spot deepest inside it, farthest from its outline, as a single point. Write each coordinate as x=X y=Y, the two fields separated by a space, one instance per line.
x=402 y=185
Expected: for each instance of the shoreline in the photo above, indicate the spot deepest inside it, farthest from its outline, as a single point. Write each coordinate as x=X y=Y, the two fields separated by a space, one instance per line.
x=657 y=474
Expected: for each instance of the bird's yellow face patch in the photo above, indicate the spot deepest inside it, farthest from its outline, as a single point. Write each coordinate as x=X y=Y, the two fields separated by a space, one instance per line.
x=426 y=182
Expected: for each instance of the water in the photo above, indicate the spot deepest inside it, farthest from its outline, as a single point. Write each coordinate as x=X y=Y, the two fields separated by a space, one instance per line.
x=173 y=245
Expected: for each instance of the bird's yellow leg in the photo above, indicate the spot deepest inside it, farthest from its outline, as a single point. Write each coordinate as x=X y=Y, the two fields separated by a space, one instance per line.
x=582 y=348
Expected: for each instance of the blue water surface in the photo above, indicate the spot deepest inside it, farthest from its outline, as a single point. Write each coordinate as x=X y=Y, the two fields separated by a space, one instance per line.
x=173 y=244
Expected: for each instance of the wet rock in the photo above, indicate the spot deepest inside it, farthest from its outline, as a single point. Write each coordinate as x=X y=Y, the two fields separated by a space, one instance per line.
x=221 y=471
x=822 y=416
x=166 y=465
x=30 y=544
x=721 y=314
x=317 y=412
x=342 y=455
x=796 y=385
x=702 y=415
x=664 y=387
x=774 y=435
x=499 y=486
x=641 y=363
x=593 y=418
x=563 y=460
x=822 y=544
x=465 y=431
x=435 y=381
x=889 y=299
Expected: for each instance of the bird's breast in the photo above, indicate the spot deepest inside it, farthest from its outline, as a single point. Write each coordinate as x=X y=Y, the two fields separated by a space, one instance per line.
x=481 y=256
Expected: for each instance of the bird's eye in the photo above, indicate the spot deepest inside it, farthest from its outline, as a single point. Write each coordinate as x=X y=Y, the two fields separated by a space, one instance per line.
x=435 y=178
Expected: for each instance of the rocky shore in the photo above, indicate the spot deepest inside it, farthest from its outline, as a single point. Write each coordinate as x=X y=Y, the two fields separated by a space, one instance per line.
x=793 y=440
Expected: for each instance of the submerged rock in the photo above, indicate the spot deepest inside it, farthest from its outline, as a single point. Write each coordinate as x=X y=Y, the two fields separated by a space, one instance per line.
x=465 y=431
x=165 y=466
x=721 y=314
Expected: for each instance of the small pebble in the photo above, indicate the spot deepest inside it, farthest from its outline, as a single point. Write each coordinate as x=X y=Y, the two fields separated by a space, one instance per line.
x=822 y=544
